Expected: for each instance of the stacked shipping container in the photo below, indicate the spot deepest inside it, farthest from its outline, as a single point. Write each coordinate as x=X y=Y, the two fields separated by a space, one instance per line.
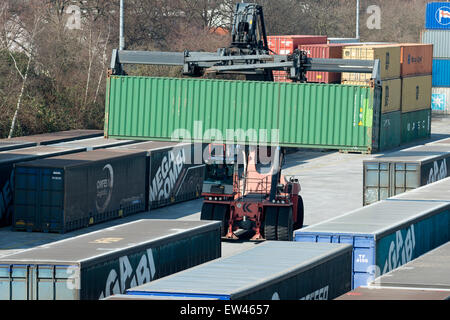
x=390 y=70
x=285 y=45
x=416 y=70
x=406 y=78
x=437 y=33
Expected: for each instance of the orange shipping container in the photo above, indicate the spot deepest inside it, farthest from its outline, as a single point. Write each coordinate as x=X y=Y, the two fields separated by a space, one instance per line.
x=416 y=59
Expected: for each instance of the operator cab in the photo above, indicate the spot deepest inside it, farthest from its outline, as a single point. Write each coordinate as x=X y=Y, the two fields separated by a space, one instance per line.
x=222 y=163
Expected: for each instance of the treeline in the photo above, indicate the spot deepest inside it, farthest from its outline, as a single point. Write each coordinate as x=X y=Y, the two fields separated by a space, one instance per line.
x=54 y=54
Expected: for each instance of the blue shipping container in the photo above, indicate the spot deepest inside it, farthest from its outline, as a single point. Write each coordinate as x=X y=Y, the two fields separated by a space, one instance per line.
x=438 y=16
x=384 y=235
x=441 y=72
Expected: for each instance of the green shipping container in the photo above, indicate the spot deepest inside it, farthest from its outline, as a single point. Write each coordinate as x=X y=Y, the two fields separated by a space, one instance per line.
x=307 y=115
x=415 y=126
x=390 y=130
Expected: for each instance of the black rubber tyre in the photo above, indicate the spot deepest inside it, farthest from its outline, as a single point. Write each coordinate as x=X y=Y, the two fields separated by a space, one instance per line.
x=207 y=211
x=222 y=214
x=270 y=223
x=285 y=229
x=300 y=214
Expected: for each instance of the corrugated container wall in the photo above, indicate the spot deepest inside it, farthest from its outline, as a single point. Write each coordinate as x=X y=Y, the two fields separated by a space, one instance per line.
x=286 y=44
x=392 y=95
x=438 y=16
x=109 y=261
x=416 y=93
x=416 y=126
x=247 y=112
x=440 y=39
x=328 y=51
x=388 y=55
x=390 y=126
x=416 y=59
x=441 y=72
x=70 y=192
x=440 y=100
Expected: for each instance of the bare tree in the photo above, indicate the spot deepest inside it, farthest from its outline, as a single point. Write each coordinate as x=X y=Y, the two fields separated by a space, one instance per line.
x=28 y=18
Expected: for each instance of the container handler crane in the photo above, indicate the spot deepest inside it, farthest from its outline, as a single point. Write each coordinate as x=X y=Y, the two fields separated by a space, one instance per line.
x=236 y=192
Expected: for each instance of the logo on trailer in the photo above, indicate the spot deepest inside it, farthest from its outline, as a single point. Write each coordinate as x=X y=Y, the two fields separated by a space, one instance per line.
x=167 y=175
x=125 y=276
x=443 y=16
x=104 y=189
x=401 y=249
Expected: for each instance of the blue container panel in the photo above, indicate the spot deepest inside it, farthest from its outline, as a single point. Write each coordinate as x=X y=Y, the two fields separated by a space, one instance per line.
x=363 y=255
x=441 y=72
x=438 y=16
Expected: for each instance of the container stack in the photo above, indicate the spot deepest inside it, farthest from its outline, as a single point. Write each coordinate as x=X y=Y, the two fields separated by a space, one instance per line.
x=285 y=45
x=437 y=33
x=416 y=75
x=389 y=56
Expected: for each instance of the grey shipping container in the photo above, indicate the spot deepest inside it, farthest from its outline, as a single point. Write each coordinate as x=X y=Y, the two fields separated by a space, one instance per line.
x=56 y=137
x=402 y=171
x=7 y=161
x=98 y=264
x=269 y=271
x=440 y=39
x=95 y=143
x=437 y=191
x=173 y=173
x=6 y=146
x=66 y=193
x=385 y=235
x=369 y=293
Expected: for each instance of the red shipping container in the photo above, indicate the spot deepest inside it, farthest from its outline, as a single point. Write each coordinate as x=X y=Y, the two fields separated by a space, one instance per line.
x=286 y=44
x=323 y=51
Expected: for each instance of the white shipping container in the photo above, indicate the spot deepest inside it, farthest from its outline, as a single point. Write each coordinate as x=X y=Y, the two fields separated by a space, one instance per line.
x=440 y=100
x=440 y=39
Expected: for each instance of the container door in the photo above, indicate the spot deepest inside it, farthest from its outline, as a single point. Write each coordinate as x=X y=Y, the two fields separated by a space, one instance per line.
x=32 y=282
x=377 y=181
x=51 y=199
x=405 y=177
x=26 y=199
